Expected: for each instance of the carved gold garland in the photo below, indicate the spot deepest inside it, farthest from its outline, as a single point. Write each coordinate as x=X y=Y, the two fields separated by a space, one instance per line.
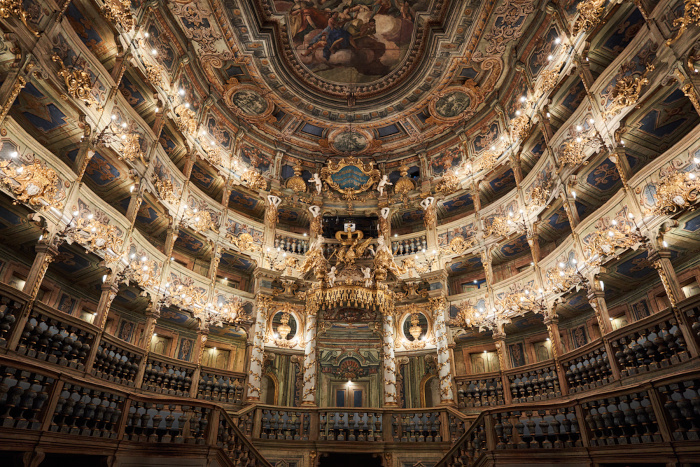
x=244 y=242
x=119 y=11
x=691 y=16
x=380 y=298
x=78 y=83
x=626 y=92
x=459 y=245
x=589 y=14
x=10 y=8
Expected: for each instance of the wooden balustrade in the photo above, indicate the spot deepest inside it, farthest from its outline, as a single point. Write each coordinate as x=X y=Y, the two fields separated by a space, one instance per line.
x=588 y=367
x=165 y=375
x=409 y=246
x=662 y=410
x=649 y=344
x=221 y=386
x=40 y=401
x=350 y=425
x=486 y=391
x=536 y=383
x=12 y=301
x=117 y=361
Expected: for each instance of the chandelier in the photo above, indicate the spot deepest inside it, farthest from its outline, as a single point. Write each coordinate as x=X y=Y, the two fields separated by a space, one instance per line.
x=470 y=316
x=199 y=219
x=93 y=234
x=605 y=240
x=33 y=183
x=226 y=312
x=519 y=302
x=140 y=270
x=676 y=191
x=566 y=277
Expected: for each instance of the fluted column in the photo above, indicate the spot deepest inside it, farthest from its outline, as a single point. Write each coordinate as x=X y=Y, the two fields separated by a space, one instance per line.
x=257 y=355
x=390 y=389
x=443 y=352
x=310 y=386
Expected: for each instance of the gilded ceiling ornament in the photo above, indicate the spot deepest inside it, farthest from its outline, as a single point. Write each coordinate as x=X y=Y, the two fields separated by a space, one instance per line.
x=78 y=83
x=520 y=126
x=501 y=225
x=141 y=271
x=33 y=183
x=448 y=184
x=677 y=191
x=573 y=151
x=9 y=8
x=130 y=147
x=296 y=182
x=350 y=176
x=626 y=92
x=166 y=189
x=487 y=161
x=540 y=193
x=186 y=120
x=154 y=74
x=212 y=152
x=254 y=180
x=460 y=245
x=244 y=242
x=691 y=17
x=548 y=79
x=589 y=14
x=404 y=184
x=565 y=277
x=119 y=11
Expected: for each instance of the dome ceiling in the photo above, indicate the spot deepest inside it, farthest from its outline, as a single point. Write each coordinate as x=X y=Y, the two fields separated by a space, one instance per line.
x=354 y=76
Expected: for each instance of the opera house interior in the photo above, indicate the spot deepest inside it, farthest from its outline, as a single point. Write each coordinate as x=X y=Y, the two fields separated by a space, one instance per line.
x=329 y=233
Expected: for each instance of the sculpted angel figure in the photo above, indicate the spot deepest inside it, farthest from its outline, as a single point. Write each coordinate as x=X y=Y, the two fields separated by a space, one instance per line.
x=382 y=183
x=271 y=210
x=316 y=180
x=314 y=258
x=384 y=260
x=331 y=277
x=367 y=274
x=430 y=218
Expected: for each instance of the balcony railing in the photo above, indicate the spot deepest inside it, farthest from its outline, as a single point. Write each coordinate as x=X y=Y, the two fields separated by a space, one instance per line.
x=52 y=409
x=660 y=411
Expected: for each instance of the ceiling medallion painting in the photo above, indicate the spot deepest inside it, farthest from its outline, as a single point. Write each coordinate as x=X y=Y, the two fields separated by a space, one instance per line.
x=247 y=101
x=349 y=141
x=456 y=102
x=349 y=42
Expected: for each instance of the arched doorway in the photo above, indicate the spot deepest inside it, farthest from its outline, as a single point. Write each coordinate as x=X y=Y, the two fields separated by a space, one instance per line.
x=268 y=389
x=430 y=391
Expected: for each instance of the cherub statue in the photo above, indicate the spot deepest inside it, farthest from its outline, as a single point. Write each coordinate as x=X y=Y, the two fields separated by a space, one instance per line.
x=331 y=276
x=367 y=273
x=430 y=216
x=382 y=183
x=315 y=179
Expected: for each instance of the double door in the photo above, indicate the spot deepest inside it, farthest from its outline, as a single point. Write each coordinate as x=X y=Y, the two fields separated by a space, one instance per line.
x=350 y=395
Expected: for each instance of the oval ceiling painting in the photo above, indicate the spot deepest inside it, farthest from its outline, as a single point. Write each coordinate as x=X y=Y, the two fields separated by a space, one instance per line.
x=350 y=142
x=452 y=105
x=249 y=102
x=351 y=41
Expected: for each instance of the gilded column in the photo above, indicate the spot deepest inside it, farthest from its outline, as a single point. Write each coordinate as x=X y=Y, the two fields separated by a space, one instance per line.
x=45 y=253
x=152 y=315
x=443 y=352
x=110 y=288
x=662 y=263
x=257 y=355
x=309 y=388
x=198 y=352
x=596 y=298
x=390 y=390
